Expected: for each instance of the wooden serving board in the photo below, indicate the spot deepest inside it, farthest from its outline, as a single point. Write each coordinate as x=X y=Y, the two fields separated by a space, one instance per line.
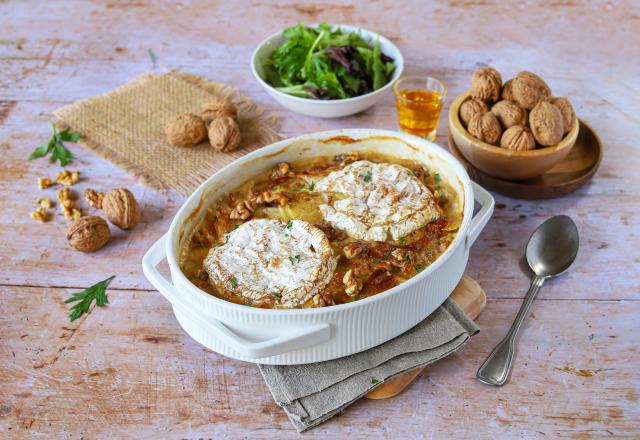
x=566 y=176
x=471 y=298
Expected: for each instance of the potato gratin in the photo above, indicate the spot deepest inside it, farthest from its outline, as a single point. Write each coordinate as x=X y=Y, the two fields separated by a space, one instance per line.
x=323 y=231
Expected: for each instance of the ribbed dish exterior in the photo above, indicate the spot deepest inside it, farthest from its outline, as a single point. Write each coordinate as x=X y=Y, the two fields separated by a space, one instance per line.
x=352 y=330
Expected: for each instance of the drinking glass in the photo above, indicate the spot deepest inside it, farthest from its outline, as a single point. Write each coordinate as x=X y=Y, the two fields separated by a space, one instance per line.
x=419 y=101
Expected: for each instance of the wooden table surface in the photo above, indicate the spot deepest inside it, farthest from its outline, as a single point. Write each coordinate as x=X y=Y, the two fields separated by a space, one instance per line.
x=130 y=371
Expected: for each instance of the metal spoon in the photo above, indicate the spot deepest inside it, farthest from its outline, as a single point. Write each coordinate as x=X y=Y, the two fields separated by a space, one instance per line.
x=551 y=250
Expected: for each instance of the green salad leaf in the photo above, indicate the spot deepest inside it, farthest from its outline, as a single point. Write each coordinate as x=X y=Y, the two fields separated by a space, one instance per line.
x=326 y=63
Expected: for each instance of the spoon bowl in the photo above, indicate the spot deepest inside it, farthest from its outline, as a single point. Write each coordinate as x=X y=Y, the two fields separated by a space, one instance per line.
x=553 y=247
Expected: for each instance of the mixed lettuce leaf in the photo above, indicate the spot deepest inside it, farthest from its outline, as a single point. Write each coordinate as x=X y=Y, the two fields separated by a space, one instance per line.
x=327 y=64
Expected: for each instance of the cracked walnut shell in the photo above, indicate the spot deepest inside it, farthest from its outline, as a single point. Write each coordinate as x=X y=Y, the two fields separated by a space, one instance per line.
x=529 y=89
x=546 y=123
x=486 y=128
x=470 y=108
x=121 y=208
x=486 y=83
x=518 y=138
x=218 y=107
x=88 y=234
x=224 y=134
x=186 y=130
x=509 y=114
x=566 y=109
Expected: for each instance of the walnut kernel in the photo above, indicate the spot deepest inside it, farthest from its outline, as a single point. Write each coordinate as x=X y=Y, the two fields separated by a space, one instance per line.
x=518 y=138
x=186 y=130
x=218 y=107
x=486 y=83
x=470 y=108
x=283 y=169
x=40 y=214
x=242 y=211
x=529 y=89
x=121 y=208
x=88 y=234
x=44 y=202
x=486 y=128
x=546 y=123
x=94 y=198
x=224 y=134
x=44 y=183
x=67 y=178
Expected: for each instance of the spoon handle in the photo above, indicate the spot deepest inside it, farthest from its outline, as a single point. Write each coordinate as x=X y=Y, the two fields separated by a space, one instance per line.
x=495 y=370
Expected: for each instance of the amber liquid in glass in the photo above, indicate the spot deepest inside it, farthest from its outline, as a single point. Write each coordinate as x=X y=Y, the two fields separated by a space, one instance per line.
x=419 y=111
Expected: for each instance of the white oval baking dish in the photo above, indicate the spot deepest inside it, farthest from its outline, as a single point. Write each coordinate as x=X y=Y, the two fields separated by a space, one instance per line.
x=313 y=335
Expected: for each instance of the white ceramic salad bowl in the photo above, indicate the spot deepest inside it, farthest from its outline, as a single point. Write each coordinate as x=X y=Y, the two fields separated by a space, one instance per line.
x=300 y=336
x=334 y=108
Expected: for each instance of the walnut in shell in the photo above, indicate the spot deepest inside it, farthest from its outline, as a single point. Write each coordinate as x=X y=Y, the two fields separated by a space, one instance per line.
x=509 y=113
x=518 y=138
x=224 y=134
x=470 y=108
x=486 y=128
x=546 y=123
x=566 y=109
x=121 y=208
x=529 y=89
x=485 y=84
x=88 y=234
x=218 y=107
x=186 y=130
x=507 y=90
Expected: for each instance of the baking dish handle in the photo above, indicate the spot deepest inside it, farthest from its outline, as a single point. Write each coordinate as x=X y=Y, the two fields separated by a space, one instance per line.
x=479 y=221
x=295 y=339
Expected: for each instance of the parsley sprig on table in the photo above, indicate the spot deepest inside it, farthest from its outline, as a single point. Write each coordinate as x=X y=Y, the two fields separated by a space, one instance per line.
x=55 y=146
x=97 y=292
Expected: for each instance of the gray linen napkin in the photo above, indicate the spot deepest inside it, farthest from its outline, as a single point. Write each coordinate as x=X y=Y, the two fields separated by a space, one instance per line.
x=313 y=393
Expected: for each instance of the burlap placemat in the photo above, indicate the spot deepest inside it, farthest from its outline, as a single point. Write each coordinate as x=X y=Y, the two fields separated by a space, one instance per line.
x=126 y=127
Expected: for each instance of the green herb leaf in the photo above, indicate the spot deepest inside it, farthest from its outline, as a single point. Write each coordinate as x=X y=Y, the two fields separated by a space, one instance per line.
x=437 y=177
x=84 y=299
x=407 y=257
x=403 y=240
x=277 y=294
x=295 y=259
x=312 y=186
x=374 y=380
x=290 y=224
x=418 y=268
x=153 y=57
x=234 y=282
x=248 y=303
x=368 y=177
x=300 y=188
x=55 y=146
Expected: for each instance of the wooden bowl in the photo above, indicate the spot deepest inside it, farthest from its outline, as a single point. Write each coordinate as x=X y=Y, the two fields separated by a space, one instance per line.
x=503 y=163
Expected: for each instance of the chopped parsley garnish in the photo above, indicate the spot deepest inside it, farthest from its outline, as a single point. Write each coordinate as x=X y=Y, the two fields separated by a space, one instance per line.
x=419 y=268
x=312 y=186
x=248 y=303
x=300 y=188
x=368 y=177
x=234 y=282
x=385 y=257
x=439 y=193
x=295 y=259
x=277 y=294
x=403 y=240
x=437 y=177
x=289 y=224
x=407 y=256
x=374 y=380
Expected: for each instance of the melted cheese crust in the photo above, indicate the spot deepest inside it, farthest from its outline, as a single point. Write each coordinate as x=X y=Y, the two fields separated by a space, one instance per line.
x=265 y=259
x=377 y=199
